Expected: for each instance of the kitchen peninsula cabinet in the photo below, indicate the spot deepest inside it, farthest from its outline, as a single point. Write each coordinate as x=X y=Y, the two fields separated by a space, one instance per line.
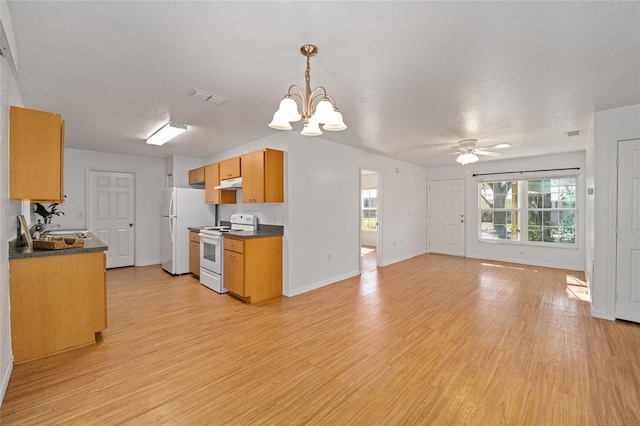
x=57 y=302
x=253 y=267
x=196 y=176
x=212 y=179
x=36 y=155
x=230 y=168
x=263 y=176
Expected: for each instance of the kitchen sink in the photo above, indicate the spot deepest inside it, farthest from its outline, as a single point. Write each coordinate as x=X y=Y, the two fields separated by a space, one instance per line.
x=71 y=233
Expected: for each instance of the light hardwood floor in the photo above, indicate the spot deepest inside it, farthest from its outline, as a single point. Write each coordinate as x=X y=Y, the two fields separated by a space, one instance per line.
x=431 y=340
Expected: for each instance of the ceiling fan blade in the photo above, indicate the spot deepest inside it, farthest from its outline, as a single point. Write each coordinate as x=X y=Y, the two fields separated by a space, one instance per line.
x=489 y=153
x=444 y=155
x=497 y=146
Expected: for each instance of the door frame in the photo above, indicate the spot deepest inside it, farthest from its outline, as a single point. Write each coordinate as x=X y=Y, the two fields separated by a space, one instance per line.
x=612 y=243
x=378 y=216
x=87 y=202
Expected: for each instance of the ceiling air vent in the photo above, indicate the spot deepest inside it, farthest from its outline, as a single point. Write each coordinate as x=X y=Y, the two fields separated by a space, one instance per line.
x=573 y=133
x=208 y=97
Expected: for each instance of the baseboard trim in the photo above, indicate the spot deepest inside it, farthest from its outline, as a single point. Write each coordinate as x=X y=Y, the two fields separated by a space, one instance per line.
x=321 y=284
x=523 y=262
x=149 y=263
x=402 y=259
x=6 y=376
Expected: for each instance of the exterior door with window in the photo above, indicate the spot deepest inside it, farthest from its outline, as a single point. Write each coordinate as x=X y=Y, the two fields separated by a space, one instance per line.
x=628 y=237
x=447 y=217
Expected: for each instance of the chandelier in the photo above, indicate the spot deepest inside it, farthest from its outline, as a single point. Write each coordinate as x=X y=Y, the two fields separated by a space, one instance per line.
x=317 y=107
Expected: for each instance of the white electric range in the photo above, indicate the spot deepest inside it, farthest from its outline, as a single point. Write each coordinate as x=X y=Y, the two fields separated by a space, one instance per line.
x=212 y=249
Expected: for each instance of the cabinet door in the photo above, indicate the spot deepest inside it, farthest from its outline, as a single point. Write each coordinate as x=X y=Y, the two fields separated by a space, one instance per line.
x=211 y=180
x=253 y=177
x=230 y=168
x=194 y=258
x=234 y=272
x=196 y=176
x=36 y=153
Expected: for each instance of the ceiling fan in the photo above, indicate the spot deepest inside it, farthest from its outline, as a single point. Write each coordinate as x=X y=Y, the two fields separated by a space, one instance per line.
x=467 y=151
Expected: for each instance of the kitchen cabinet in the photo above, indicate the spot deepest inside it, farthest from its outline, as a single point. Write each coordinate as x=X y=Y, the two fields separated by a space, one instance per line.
x=194 y=253
x=230 y=168
x=196 y=176
x=212 y=179
x=253 y=267
x=57 y=302
x=36 y=155
x=263 y=176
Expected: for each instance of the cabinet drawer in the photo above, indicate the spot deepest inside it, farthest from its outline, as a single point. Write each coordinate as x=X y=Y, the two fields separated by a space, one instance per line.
x=233 y=245
x=194 y=236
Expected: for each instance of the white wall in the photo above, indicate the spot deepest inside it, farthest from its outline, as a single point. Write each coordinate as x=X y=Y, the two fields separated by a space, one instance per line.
x=149 y=176
x=9 y=210
x=177 y=170
x=569 y=258
x=610 y=126
x=321 y=212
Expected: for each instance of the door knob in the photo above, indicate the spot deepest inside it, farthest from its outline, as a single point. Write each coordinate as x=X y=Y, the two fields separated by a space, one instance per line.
x=130 y=225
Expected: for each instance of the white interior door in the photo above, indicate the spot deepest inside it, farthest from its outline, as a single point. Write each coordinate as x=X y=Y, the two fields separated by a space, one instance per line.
x=628 y=236
x=446 y=216
x=111 y=214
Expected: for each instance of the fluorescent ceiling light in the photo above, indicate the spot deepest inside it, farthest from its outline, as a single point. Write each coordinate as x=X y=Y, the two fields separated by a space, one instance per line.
x=166 y=133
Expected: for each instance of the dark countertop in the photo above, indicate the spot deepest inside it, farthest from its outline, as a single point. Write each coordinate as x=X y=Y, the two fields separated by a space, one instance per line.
x=91 y=243
x=262 y=232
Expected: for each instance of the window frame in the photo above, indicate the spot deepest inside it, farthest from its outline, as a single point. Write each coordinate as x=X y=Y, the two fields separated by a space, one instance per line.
x=523 y=210
x=364 y=209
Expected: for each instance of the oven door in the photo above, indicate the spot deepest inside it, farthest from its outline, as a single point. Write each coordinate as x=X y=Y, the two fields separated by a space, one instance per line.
x=211 y=253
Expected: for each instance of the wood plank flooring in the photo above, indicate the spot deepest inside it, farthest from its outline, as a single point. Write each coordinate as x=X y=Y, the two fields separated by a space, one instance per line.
x=431 y=340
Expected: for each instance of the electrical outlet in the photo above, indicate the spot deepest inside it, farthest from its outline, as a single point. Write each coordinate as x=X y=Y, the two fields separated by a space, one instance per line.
x=329 y=256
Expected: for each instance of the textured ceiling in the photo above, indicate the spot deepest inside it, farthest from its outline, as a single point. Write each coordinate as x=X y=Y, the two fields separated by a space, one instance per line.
x=411 y=78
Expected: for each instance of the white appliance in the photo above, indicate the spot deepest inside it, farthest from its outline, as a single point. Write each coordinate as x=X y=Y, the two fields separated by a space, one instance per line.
x=212 y=249
x=181 y=208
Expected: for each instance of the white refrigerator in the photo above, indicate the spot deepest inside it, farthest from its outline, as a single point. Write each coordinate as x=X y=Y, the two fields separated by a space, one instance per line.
x=181 y=208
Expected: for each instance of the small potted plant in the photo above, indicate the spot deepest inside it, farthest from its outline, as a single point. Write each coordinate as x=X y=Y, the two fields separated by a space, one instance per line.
x=47 y=214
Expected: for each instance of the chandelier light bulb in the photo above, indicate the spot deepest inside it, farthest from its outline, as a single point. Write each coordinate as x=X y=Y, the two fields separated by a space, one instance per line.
x=279 y=122
x=335 y=123
x=289 y=109
x=311 y=128
x=324 y=109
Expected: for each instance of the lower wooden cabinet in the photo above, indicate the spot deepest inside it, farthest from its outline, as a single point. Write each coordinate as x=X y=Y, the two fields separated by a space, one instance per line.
x=253 y=267
x=194 y=253
x=57 y=302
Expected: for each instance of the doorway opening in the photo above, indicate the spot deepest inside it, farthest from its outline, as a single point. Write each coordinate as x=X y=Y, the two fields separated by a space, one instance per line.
x=369 y=220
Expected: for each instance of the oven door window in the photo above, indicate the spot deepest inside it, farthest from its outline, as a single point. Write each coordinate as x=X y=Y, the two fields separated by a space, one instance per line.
x=210 y=252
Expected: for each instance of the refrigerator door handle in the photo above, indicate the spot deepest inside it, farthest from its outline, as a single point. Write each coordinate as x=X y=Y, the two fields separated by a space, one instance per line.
x=171 y=219
x=171 y=213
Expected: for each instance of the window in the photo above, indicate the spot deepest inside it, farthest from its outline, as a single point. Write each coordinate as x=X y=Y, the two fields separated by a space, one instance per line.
x=535 y=211
x=370 y=209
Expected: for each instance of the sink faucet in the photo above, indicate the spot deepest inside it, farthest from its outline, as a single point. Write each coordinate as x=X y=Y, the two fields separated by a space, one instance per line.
x=48 y=227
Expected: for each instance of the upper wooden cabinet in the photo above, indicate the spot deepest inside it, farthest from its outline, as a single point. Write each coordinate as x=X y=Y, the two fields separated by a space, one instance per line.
x=196 y=176
x=211 y=180
x=36 y=155
x=263 y=176
x=230 y=168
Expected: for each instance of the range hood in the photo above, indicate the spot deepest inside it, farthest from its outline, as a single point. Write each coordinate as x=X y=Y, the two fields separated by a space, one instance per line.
x=235 y=183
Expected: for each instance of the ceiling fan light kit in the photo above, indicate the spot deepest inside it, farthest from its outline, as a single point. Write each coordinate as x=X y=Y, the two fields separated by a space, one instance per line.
x=166 y=133
x=467 y=158
x=317 y=106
